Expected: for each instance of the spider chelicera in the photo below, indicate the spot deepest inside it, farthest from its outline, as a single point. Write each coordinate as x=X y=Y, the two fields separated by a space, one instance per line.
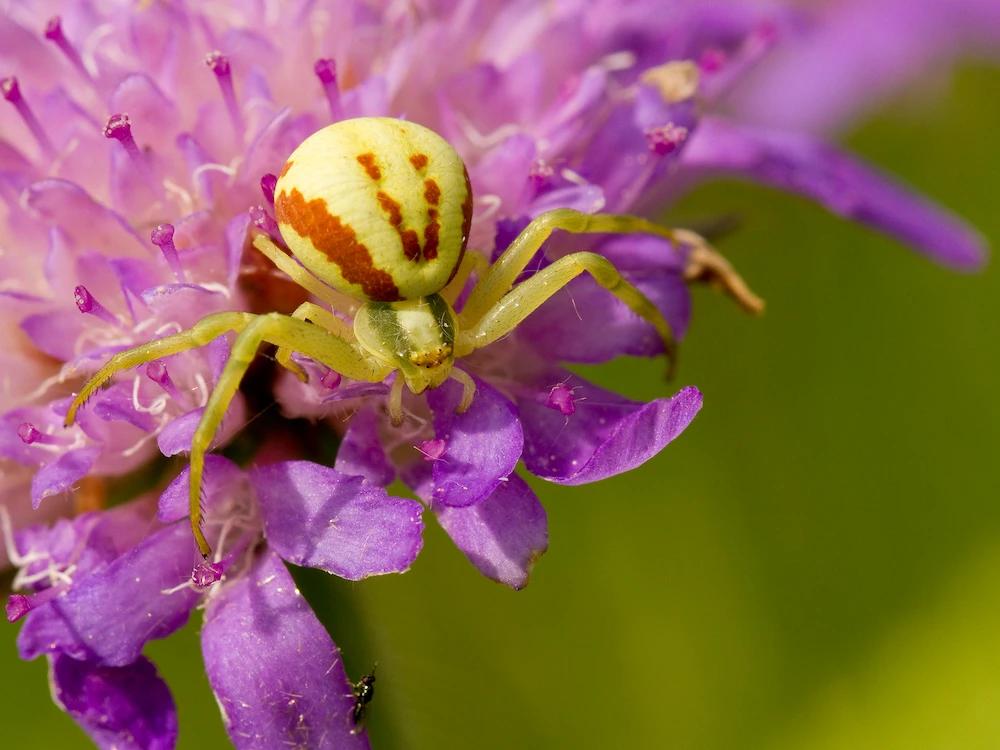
x=378 y=210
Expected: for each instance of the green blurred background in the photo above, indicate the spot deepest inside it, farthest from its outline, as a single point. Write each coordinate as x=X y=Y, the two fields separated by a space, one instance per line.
x=814 y=564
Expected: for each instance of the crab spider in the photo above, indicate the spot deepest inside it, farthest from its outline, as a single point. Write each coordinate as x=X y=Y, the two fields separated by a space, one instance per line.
x=379 y=210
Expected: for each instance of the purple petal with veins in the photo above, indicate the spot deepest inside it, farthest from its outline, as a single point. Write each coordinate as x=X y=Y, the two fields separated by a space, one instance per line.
x=110 y=614
x=317 y=517
x=361 y=453
x=606 y=435
x=120 y=708
x=62 y=473
x=504 y=535
x=482 y=445
x=277 y=676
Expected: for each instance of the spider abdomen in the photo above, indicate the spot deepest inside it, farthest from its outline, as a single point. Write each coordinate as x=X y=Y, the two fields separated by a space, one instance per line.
x=378 y=208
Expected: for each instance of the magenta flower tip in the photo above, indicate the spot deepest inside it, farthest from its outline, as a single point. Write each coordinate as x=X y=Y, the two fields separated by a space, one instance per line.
x=432 y=450
x=560 y=398
x=207 y=573
x=162 y=235
x=28 y=433
x=18 y=605
x=157 y=372
x=330 y=380
x=665 y=139
x=118 y=127
x=219 y=63
x=712 y=60
x=53 y=29
x=326 y=70
x=10 y=89
x=84 y=300
x=267 y=185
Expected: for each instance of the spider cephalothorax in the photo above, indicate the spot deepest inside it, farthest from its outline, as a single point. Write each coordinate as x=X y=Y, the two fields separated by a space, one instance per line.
x=378 y=210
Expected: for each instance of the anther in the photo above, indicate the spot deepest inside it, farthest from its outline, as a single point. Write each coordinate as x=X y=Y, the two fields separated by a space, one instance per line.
x=12 y=92
x=86 y=303
x=30 y=434
x=219 y=64
x=262 y=220
x=432 y=450
x=163 y=238
x=326 y=71
x=157 y=372
x=330 y=379
x=17 y=607
x=665 y=139
x=54 y=33
x=712 y=60
x=207 y=573
x=120 y=129
x=539 y=173
x=560 y=398
x=267 y=185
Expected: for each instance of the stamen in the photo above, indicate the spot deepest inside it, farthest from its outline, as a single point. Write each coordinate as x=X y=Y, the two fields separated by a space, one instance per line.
x=207 y=573
x=157 y=372
x=54 y=33
x=326 y=71
x=12 y=93
x=262 y=220
x=267 y=184
x=17 y=607
x=330 y=380
x=163 y=238
x=712 y=60
x=560 y=398
x=30 y=434
x=219 y=64
x=540 y=173
x=432 y=450
x=665 y=139
x=86 y=303
x=120 y=129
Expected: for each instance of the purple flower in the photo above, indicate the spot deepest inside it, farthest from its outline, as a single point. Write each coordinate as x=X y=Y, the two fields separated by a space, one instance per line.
x=137 y=225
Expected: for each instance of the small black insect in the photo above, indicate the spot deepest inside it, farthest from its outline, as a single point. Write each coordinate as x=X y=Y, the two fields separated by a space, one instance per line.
x=364 y=691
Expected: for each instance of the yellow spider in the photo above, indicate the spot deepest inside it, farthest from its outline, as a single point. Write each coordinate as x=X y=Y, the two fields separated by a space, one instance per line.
x=378 y=210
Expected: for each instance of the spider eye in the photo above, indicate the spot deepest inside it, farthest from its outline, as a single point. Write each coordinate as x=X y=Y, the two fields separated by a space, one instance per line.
x=378 y=208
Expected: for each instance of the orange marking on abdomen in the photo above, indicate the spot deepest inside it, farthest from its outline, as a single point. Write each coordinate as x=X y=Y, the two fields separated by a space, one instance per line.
x=371 y=168
x=337 y=241
x=431 y=236
x=284 y=169
x=432 y=193
x=411 y=243
x=419 y=161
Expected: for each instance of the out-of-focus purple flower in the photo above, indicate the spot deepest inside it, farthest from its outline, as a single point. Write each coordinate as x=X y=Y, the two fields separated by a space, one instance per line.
x=138 y=149
x=848 y=56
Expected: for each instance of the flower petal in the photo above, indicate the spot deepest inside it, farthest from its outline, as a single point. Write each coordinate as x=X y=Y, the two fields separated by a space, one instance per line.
x=62 y=473
x=482 y=446
x=606 y=434
x=107 y=616
x=504 y=535
x=843 y=184
x=361 y=454
x=317 y=517
x=120 y=708
x=276 y=674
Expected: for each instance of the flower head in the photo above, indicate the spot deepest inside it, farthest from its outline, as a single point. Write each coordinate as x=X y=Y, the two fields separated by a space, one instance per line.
x=138 y=160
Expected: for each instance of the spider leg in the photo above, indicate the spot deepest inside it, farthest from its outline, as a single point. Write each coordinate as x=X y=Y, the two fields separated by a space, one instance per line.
x=472 y=261
x=322 y=317
x=286 y=332
x=302 y=277
x=508 y=267
x=526 y=297
x=200 y=334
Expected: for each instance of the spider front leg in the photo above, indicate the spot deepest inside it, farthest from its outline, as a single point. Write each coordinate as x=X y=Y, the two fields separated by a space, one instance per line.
x=529 y=295
x=488 y=312
x=322 y=317
x=200 y=334
x=288 y=333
